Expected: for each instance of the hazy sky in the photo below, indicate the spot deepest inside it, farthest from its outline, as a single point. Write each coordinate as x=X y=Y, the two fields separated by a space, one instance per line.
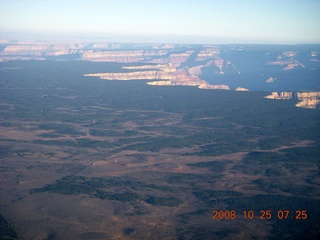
x=294 y=21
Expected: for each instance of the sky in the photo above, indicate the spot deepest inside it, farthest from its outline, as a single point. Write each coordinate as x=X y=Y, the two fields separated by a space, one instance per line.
x=254 y=21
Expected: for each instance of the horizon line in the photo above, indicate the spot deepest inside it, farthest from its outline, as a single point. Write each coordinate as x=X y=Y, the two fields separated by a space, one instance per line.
x=140 y=38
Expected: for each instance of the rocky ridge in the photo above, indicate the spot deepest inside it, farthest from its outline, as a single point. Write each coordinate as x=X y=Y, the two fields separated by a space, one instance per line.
x=241 y=89
x=139 y=75
x=120 y=56
x=271 y=80
x=171 y=76
x=166 y=72
x=287 y=60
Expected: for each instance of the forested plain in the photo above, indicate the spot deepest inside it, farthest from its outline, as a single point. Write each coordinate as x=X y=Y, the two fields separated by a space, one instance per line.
x=173 y=152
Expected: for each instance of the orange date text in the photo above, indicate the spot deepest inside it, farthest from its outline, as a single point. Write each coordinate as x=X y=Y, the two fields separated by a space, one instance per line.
x=282 y=214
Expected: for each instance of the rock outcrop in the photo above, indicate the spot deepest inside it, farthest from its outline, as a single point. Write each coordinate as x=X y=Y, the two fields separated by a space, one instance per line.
x=160 y=71
x=175 y=59
x=209 y=86
x=207 y=54
x=171 y=76
x=287 y=60
x=39 y=50
x=314 y=56
x=282 y=95
x=270 y=80
x=162 y=67
x=120 y=56
x=305 y=99
x=308 y=100
x=98 y=52
x=199 y=84
x=139 y=75
x=242 y=89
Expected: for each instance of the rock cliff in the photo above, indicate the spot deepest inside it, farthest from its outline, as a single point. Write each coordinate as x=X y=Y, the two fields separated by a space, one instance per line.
x=36 y=50
x=175 y=59
x=138 y=75
x=271 y=80
x=314 y=56
x=162 y=67
x=304 y=95
x=199 y=84
x=171 y=76
x=282 y=95
x=98 y=52
x=287 y=60
x=308 y=100
x=207 y=54
x=120 y=56
x=305 y=99
x=241 y=89
x=160 y=71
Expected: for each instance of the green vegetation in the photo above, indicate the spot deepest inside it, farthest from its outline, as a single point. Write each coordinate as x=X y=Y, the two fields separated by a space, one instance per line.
x=271 y=185
x=198 y=231
x=119 y=189
x=269 y=143
x=124 y=197
x=275 y=171
x=214 y=196
x=61 y=106
x=190 y=178
x=231 y=200
x=5 y=151
x=6 y=124
x=128 y=231
x=248 y=169
x=69 y=186
x=157 y=144
x=9 y=151
x=164 y=201
x=302 y=154
x=298 y=155
x=300 y=229
x=278 y=163
x=79 y=143
x=7 y=230
x=103 y=133
x=217 y=129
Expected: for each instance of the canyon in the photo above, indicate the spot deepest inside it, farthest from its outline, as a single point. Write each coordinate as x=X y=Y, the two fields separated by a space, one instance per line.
x=226 y=67
x=287 y=60
x=164 y=59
